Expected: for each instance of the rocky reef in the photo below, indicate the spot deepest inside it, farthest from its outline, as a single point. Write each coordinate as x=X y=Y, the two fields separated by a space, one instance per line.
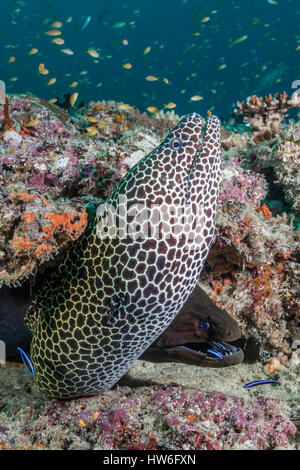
x=55 y=169
x=156 y=417
x=56 y=166
x=62 y=164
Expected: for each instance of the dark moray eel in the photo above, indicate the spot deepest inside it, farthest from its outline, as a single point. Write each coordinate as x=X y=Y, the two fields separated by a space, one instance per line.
x=124 y=281
x=186 y=340
x=199 y=327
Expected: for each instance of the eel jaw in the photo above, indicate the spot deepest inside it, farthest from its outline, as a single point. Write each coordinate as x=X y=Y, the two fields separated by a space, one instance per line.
x=201 y=354
x=209 y=353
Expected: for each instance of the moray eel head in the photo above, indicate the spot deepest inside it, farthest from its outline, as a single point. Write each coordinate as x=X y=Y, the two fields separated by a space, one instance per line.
x=198 y=336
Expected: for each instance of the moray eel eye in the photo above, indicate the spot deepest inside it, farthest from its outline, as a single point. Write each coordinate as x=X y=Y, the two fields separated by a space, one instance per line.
x=204 y=325
x=176 y=143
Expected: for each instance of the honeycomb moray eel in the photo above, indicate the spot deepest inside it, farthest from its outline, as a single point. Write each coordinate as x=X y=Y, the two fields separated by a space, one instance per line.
x=116 y=290
x=199 y=326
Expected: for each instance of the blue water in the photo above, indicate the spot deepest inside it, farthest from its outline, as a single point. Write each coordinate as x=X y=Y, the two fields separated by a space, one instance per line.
x=185 y=49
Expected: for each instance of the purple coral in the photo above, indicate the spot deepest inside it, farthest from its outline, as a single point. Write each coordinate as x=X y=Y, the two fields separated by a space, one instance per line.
x=159 y=417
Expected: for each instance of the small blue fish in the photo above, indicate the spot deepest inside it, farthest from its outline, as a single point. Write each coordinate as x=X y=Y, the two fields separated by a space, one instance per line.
x=26 y=360
x=259 y=382
x=85 y=24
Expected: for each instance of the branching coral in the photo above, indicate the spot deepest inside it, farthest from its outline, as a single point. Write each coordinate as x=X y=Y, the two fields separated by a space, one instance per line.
x=266 y=114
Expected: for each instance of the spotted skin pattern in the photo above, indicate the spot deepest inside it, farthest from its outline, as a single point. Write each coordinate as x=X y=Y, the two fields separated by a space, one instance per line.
x=111 y=297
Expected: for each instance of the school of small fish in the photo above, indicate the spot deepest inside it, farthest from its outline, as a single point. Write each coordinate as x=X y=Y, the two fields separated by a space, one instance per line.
x=81 y=51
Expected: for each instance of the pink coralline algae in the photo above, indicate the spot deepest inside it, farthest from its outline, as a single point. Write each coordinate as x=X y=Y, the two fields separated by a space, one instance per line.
x=66 y=164
x=251 y=269
x=157 y=418
x=241 y=186
x=61 y=170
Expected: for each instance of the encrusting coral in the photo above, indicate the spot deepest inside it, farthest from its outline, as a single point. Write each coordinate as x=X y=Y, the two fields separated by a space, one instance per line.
x=251 y=269
x=66 y=164
x=53 y=173
x=160 y=417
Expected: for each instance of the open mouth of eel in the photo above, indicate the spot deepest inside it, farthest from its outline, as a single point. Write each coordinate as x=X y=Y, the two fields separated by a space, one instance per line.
x=212 y=349
x=209 y=353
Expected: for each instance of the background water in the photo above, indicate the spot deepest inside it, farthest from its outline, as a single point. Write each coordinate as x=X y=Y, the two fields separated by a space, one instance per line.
x=193 y=46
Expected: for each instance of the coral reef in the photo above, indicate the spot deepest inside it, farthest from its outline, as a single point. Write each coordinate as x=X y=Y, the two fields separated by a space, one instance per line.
x=251 y=269
x=287 y=171
x=54 y=169
x=66 y=163
x=144 y=418
x=266 y=114
x=57 y=170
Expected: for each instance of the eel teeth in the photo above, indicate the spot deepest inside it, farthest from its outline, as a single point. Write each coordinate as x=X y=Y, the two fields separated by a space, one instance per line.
x=213 y=349
x=223 y=348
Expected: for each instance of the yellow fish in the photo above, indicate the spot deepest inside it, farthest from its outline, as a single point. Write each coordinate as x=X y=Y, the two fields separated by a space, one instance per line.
x=238 y=40
x=127 y=66
x=34 y=50
x=73 y=99
x=43 y=70
x=205 y=19
x=67 y=51
x=52 y=81
x=93 y=53
x=147 y=50
x=125 y=42
x=124 y=106
x=91 y=119
x=196 y=98
x=11 y=59
x=73 y=84
x=90 y=131
x=151 y=78
x=56 y=24
x=58 y=41
x=52 y=100
x=298 y=48
x=222 y=66
x=170 y=105
x=165 y=80
x=53 y=32
x=32 y=123
x=152 y=109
